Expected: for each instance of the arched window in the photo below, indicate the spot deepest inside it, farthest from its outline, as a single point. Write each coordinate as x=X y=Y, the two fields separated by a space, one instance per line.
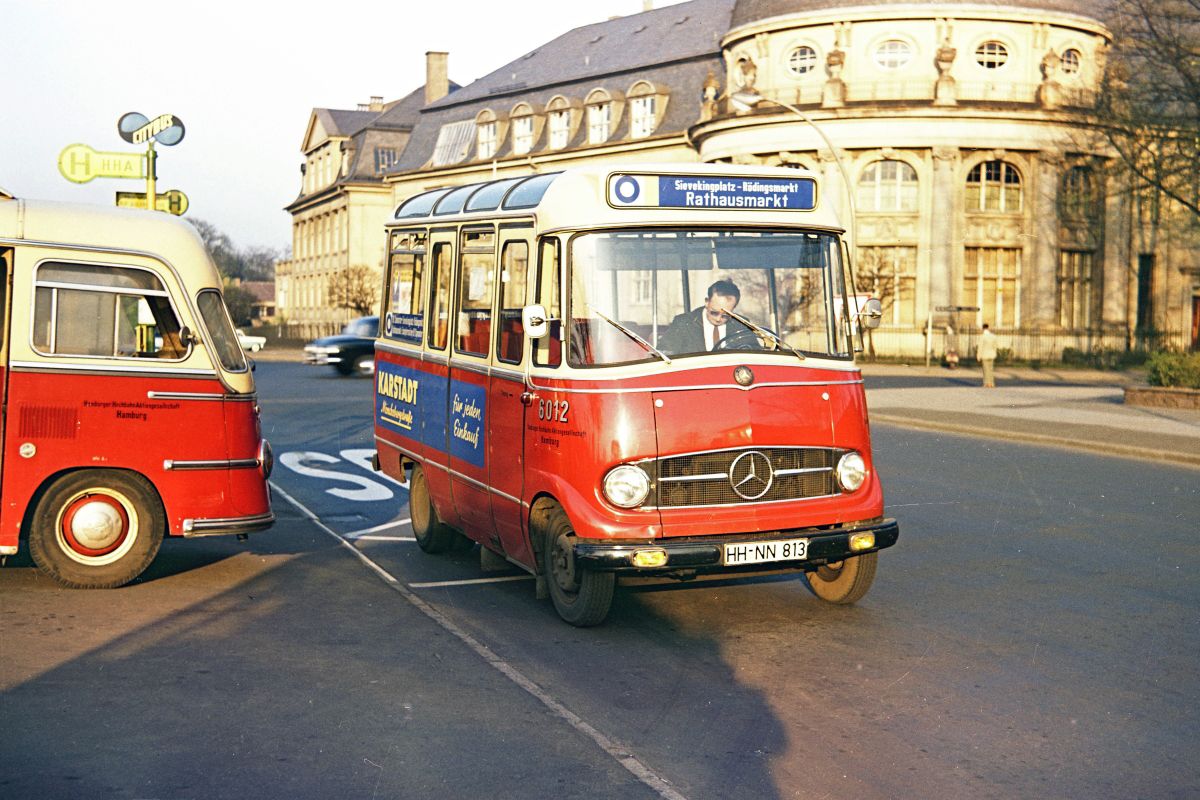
x=994 y=186
x=487 y=139
x=563 y=118
x=887 y=185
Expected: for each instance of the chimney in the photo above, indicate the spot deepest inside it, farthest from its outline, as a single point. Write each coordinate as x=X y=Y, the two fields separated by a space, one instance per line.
x=437 y=77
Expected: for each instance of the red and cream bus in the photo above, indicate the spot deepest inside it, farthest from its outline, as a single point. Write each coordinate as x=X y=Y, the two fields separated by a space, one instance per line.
x=129 y=408
x=630 y=371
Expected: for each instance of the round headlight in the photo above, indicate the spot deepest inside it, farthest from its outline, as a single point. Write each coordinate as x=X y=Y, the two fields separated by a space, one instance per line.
x=626 y=486
x=851 y=471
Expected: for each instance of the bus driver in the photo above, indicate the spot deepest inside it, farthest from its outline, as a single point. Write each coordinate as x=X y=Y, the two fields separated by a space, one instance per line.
x=703 y=328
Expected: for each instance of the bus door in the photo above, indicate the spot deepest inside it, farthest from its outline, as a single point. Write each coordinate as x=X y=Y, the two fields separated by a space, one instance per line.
x=433 y=404
x=467 y=411
x=506 y=409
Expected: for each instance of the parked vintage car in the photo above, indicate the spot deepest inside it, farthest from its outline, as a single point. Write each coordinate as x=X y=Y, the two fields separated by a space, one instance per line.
x=251 y=344
x=351 y=352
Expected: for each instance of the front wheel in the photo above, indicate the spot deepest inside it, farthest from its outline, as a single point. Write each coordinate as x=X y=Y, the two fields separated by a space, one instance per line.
x=844 y=582
x=96 y=528
x=581 y=597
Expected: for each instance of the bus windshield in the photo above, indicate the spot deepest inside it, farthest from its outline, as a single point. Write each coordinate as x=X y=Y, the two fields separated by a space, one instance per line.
x=645 y=295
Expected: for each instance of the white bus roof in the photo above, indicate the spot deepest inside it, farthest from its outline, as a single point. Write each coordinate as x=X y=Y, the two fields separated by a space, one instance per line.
x=619 y=195
x=110 y=229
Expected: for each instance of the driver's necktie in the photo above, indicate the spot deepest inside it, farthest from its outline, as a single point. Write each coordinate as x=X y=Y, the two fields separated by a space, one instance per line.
x=716 y=337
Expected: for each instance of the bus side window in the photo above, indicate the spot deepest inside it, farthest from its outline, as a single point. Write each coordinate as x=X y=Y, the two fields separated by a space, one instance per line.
x=514 y=268
x=439 y=302
x=91 y=310
x=477 y=287
x=548 y=352
x=405 y=304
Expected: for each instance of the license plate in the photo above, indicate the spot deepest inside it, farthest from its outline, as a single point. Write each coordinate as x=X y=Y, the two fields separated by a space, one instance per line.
x=738 y=553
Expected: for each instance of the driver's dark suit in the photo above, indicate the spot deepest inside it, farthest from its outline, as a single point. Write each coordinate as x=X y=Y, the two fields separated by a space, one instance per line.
x=685 y=334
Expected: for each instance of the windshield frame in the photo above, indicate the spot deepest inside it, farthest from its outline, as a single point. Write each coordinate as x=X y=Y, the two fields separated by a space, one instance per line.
x=840 y=343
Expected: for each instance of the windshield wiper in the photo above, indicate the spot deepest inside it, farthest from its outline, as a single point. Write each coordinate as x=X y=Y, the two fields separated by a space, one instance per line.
x=630 y=334
x=761 y=331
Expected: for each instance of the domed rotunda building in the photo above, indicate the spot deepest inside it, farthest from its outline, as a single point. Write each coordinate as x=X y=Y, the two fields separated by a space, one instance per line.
x=962 y=127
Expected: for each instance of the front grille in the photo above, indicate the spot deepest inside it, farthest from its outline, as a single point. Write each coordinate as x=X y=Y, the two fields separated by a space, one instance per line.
x=703 y=479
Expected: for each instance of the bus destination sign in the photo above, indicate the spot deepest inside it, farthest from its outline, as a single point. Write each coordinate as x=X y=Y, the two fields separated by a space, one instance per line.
x=712 y=191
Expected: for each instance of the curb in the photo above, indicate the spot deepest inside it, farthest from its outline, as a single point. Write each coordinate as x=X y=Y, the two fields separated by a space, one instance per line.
x=1103 y=448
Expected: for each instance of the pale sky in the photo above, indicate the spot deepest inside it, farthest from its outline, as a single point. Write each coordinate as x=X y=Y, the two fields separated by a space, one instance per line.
x=243 y=76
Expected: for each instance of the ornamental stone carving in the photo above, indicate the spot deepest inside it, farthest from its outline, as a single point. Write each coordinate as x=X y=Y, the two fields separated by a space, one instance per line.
x=834 y=93
x=945 y=90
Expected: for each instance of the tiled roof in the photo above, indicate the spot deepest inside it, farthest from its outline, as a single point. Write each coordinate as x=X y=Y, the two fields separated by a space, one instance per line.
x=623 y=44
x=263 y=291
x=681 y=46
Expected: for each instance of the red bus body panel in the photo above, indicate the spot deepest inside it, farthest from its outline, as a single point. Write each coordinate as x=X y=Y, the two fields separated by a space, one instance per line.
x=59 y=421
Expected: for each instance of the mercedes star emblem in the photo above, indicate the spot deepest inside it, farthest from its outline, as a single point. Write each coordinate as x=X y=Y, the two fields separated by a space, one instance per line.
x=744 y=376
x=751 y=475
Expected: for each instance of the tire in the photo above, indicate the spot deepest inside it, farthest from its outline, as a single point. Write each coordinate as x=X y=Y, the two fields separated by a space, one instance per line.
x=432 y=535
x=342 y=368
x=844 y=582
x=581 y=597
x=254 y=348
x=96 y=528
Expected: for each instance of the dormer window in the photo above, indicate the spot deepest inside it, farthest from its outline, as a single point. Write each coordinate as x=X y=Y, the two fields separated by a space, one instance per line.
x=489 y=134
x=641 y=116
x=522 y=128
x=562 y=115
x=525 y=128
x=599 y=117
x=560 y=129
x=485 y=140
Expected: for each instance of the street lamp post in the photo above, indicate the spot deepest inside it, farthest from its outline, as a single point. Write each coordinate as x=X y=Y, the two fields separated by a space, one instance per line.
x=749 y=99
x=872 y=313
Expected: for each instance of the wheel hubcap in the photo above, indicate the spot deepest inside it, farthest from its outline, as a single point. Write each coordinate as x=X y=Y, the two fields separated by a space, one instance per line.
x=95 y=525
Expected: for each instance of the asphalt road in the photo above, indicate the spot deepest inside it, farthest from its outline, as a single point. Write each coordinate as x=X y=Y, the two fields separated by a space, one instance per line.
x=1034 y=634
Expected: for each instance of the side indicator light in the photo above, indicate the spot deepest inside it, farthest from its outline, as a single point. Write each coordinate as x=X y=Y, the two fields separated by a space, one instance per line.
x=650 y=558
x=862 y=541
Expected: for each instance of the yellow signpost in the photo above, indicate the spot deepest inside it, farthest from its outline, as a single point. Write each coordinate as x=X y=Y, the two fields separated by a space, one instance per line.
x=173 y=202
x=79 y=163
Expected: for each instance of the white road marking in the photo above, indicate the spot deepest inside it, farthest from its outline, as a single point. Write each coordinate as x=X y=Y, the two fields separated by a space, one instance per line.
x=369 y=538
x=621 y=755
x=472 y=582
x=396 y=523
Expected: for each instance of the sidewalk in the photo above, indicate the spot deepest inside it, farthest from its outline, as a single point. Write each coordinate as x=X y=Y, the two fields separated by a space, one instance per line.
x=1082 y=409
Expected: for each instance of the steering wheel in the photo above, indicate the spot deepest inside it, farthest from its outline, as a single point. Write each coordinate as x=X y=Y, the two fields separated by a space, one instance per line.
x=742 y=339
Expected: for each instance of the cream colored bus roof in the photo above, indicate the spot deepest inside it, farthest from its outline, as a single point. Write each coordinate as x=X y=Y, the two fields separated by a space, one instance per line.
x=110 y=229
x=580 y=198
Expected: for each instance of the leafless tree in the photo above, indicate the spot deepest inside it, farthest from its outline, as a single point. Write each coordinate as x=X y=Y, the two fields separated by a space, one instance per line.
x=1148 y=108
x=356 y=288
x=874 y=274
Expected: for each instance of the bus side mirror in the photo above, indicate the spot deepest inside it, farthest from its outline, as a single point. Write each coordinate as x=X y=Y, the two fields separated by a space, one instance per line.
x=533 y=320
x=187 y=336
x=871 y=314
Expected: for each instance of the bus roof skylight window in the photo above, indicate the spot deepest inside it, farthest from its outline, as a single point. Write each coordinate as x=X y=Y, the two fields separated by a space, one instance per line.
x=530 y=192
x=453 y=202
x=420 y=205
x=488 y=198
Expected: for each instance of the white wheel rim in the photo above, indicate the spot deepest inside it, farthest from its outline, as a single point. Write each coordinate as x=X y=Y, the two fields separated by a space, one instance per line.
x=96 y=525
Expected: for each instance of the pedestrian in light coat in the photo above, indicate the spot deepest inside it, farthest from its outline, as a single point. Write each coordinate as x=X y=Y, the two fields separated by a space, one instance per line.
x=987 y=357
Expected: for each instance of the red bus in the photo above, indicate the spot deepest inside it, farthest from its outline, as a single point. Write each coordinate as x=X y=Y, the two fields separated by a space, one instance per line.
x=129 y=407
x=631 y=371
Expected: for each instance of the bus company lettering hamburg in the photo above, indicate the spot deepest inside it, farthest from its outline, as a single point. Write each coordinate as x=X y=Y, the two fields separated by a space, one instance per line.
x=764 y=193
